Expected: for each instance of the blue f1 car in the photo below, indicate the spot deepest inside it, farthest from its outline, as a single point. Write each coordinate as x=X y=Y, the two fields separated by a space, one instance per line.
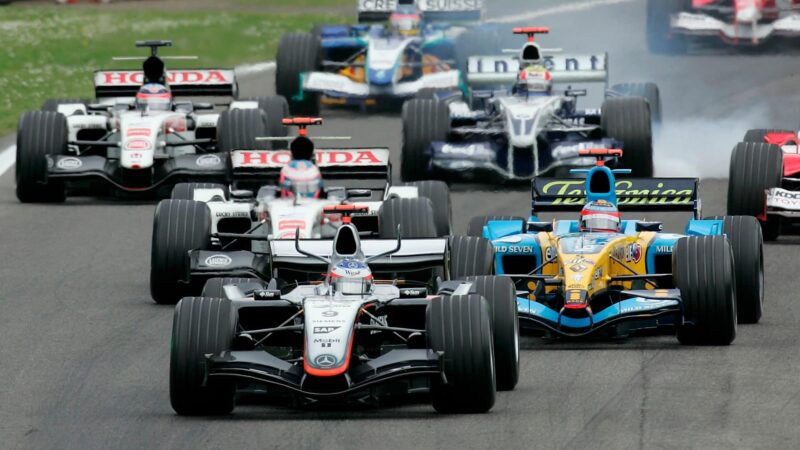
x=575 y=281
x=421 y=48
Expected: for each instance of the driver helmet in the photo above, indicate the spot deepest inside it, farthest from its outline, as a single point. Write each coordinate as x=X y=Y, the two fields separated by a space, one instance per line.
x=154 y=97
x=406 y=21
x=600 y=215
x=351 y=277
x=300 y=177
x=533 y=79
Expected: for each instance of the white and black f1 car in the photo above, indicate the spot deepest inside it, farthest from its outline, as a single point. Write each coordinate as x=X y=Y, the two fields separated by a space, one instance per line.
x=73 y=145
x=231 y=226
x=507 y=134
x=351 y=337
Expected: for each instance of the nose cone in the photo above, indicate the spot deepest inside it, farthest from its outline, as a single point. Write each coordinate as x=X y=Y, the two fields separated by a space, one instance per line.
x=749 y=14
x=380 y=77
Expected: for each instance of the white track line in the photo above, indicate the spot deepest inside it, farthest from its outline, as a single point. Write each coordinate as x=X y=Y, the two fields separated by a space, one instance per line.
x=560 y=9
x=8 y=156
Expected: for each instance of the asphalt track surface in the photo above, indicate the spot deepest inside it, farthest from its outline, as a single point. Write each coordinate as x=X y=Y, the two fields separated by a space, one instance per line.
x=84 y=355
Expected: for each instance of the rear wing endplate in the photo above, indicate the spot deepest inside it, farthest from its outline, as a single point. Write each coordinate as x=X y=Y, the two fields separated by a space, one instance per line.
x=185 y=83
x=503 y=70
x=633 y=194
x=432 y=10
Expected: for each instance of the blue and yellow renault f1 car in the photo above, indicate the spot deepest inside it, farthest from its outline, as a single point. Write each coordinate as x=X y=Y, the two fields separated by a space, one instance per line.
x=574 y=282
x=424 y=46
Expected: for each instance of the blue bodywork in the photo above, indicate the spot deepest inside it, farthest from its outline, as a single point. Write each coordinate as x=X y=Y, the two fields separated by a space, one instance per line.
x=518 y=251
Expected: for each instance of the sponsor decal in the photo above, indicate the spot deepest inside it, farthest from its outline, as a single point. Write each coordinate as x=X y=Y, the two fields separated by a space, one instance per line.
x=549 y=253
x=629 y=253
x=514 y=249
x=579 y=264
x=598 y=273
x=325 y=361
x=223 y=214
x=208 y=161
x=218 y=261
x=569 y=192
x=781 y=198
x=138 y=144
x=69 y=163
x=324 y=330
x=247 y=158
x=329 y=313
x=175 y=78
x=664 y=248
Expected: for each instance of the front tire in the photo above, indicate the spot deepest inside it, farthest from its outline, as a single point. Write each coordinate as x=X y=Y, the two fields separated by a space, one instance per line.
x=703 y=270
x=439 y=194
x=190 y=392
x=237 y=129
x=648 y=91
x=470 y=257
x=414 y=215
x=179 y=226
x=755 y=168
x=460 y=327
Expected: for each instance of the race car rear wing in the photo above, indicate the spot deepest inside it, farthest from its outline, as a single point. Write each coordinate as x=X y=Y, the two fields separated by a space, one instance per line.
x=633 y=194
x=432 y=10
x=265 y=166
x=182 y=82
x=414 y=254
x=503 y=70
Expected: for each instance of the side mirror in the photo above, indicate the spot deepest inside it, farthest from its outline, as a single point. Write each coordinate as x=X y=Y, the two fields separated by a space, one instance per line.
x=203 y=106
x=359 y=193
x=539 y=227
x=649 y=226
x=99 y=107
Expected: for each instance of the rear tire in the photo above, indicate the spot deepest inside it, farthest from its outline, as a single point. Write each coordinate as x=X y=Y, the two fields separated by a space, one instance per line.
x=237 y=129
x=179 y=226
x=415 y=215
x=755 y=168
x=470 y=257
x=215 y=287
x=501 y=294
x=627 y=119
x=744 y=236
x=460 y=327
x=275 y=109
x=477 y=223
x=424 y=122
x=704 y=272
x=648 y=91
x=185 y=191
x=660 y=38
x=190 y=392
x=40 y=134
x=439 y=194
x=298 y=53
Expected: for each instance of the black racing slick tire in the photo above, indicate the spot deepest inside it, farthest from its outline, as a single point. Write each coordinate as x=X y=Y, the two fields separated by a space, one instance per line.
x=185 y=191
x=627 y=119
x=215 y=287
x=460 y=328
x=476 y=224
x=648 y=91
x=703 y=269
x=275 y=109
x=744 y=236
x=179 y=226
x=501 y=293
x=470 y=256
x=200 y=326
x=298 y=53
x=759 y=134
x=424 y=122
x=237 y=129
x=52 y=104
x=660 y=38
x=755 y=168
x=439 y=194
x=414 y=215
x=40 y=134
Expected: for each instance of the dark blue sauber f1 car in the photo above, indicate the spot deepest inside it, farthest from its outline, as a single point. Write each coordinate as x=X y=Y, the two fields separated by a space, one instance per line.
x=604 y=276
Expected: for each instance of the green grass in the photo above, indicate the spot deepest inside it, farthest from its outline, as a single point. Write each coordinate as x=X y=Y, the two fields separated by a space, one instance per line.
x=51 y=52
